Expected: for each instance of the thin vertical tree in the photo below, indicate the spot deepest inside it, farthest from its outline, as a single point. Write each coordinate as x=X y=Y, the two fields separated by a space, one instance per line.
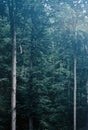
x=75 y=19
x=12 y=9
x=75 y=89
x=75 y=73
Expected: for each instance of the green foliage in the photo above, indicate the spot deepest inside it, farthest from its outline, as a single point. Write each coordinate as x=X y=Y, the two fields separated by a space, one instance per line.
x=45 y=49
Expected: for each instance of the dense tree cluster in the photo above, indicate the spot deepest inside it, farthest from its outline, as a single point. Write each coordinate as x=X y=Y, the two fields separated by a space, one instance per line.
x=47 y=41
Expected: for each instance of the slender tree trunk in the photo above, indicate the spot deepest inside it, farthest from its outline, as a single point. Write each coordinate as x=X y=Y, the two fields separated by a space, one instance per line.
x=75 y=89
x=75 y=73
x=13 y=98
x=11 y=6
x=30 y=124
x=87 y=106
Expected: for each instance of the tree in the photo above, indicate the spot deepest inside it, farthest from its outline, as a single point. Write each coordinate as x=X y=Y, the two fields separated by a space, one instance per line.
x=51 y=61
x=12 y=12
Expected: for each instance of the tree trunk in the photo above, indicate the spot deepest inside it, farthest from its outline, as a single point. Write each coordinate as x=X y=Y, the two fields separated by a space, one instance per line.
x=75 y=88
x=30 y=124
x=11 y=6
x=13 y=100
x=87 y=106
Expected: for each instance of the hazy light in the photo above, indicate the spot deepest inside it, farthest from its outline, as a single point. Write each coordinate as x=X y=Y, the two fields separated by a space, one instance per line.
x=79 y=1
x=84 y=11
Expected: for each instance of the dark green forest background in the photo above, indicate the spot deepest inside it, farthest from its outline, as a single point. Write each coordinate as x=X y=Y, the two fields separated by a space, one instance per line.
x=45 y=31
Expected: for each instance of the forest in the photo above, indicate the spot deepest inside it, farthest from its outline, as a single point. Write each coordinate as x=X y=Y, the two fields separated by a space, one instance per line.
x=43 y=64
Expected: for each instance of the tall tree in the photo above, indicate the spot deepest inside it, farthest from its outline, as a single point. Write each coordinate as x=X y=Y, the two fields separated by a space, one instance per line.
x=75 y=82
x=12 y=12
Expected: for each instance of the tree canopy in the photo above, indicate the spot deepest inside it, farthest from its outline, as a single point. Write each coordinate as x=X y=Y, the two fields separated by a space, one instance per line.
x=49 y=34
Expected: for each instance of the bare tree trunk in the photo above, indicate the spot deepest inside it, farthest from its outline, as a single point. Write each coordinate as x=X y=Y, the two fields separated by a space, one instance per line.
x=12 y=9
x=75 y=89
x=30 y=124
x=87 y=106
x=13 y=98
